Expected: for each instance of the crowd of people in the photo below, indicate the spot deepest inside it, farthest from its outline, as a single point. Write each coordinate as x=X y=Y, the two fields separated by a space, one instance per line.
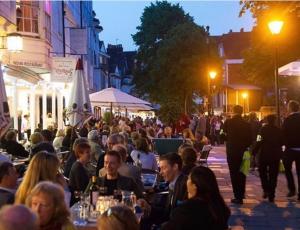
x=62 y=162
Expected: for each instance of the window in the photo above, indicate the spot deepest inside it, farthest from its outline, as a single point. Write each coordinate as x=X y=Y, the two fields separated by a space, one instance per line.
x=27 y=16
x=47 y=27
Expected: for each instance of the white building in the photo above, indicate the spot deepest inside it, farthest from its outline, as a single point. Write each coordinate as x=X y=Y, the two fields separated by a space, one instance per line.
x=49 y=29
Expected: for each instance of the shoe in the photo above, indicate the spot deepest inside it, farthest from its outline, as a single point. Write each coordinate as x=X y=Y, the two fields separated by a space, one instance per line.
x=265 y=195
x=237 y=201
x=291 y=193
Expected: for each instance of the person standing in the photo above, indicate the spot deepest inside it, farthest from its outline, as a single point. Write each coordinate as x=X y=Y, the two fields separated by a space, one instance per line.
x=291 y=127
x=238 y=138
x=269 y=146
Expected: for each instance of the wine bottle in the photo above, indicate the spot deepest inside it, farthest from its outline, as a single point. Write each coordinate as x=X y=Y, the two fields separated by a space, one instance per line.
x=94 y=191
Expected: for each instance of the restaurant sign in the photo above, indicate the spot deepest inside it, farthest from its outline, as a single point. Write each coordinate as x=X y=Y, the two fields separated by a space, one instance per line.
x=63 y=69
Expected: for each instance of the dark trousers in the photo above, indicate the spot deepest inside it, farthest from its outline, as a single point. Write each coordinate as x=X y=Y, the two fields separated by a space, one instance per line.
x=238 y=179
x=268 y=172
x=289 y=157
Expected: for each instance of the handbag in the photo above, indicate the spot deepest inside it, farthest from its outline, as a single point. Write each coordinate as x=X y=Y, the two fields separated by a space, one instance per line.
x=281 y=167
x=245 y=166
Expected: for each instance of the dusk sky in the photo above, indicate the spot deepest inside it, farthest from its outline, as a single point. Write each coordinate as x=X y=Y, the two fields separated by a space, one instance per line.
x=120 y=18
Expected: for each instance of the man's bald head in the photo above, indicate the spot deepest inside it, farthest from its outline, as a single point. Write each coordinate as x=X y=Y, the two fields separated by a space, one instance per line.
x=17 y=217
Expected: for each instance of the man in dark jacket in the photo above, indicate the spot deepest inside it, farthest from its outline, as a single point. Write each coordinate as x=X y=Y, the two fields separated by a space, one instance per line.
x=8 y=183
x=269 y=147
x=13 y=147
x=238 y=138
x=291 y=129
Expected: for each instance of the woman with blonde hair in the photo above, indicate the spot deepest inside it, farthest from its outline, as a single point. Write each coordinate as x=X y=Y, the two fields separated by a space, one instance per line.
x=47 y=200
x=42 y=167
x=57 y=142
x=118 y=218
x=188 y=136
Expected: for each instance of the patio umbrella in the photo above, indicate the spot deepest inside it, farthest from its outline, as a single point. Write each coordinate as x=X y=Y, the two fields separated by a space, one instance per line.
x=113 y=96
x=290 y=69
x=5 y=121
x=79 y=108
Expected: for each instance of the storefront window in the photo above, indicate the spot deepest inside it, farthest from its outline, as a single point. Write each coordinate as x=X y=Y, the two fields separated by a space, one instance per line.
x=27 y=16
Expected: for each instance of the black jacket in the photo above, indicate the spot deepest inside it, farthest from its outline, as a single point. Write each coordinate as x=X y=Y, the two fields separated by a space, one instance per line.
x=6 y=197
x=270 y=146
x=291 y=130
x=194 y=214
x=79 y=177
x=16 y=149
x=238 y=135
x=123 y=183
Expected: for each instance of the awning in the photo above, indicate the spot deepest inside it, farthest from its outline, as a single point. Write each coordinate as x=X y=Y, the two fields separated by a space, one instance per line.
x=241 y=87
x=23 y=73
x=291 y=69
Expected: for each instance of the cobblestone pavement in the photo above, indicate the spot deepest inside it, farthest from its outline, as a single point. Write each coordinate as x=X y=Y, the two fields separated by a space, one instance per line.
x=256 y=213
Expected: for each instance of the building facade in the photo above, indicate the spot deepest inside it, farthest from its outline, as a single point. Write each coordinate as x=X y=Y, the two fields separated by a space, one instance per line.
x=236 y=89
x=50 y=29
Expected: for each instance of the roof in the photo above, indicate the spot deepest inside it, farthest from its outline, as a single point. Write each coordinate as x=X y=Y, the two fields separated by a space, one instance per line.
x=118 y=58
x=242 y=87
x=234 y=43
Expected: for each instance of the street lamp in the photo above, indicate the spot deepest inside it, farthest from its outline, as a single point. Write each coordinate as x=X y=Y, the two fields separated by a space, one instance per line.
x=212 y=75
x=13 y=42
x=275 y=28
x=245 y=96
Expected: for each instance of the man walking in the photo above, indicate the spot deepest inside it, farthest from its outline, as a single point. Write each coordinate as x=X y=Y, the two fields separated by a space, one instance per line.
x=291 y=128
x=238 y=138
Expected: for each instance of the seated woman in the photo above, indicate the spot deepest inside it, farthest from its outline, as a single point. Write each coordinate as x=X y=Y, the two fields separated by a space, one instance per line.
x=79 y=176
x=47 y=200
x=143 y=155
x=205 y=207
x=119 y=218
x=188 y=136
x=42 y=167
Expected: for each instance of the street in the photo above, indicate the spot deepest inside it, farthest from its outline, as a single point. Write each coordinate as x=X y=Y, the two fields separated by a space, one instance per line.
x=255 y=213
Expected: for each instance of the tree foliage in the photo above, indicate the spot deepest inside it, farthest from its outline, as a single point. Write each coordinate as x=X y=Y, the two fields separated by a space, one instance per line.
x=172 y=58
x=258 y=64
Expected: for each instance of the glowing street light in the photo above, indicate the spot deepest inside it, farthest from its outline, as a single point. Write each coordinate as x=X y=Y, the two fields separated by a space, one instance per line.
x=212 y=75
x=244 y=96
x=275 y=28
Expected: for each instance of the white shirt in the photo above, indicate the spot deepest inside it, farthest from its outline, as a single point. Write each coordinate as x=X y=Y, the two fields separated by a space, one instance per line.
x=148 y=160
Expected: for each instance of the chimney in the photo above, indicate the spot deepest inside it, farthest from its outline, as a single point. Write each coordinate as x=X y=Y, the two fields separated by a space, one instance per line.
x=230 y=31
x=242 y=30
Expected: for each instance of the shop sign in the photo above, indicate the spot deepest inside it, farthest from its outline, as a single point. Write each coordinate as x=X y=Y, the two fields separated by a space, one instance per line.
x=28 y=63
x=63 y=69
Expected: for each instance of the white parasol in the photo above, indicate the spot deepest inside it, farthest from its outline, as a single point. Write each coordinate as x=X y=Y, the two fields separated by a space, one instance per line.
x=79 y=108
x=5 y=121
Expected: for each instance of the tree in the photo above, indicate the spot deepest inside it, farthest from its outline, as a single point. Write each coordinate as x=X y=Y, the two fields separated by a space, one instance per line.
x=172 y=58
x=156 y=21
x=258 y=64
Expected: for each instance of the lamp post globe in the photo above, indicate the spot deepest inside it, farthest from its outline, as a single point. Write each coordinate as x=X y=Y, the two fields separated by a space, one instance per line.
x=275 y=27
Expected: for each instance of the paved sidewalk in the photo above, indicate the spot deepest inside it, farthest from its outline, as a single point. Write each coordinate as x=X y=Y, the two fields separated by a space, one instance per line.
x=255 y=213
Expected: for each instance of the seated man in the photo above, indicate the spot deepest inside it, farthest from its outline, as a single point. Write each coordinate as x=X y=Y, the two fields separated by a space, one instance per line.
x=127 y=170
x=113 y=180
x=170 y=166
x=13 y=147
x=8 y=183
